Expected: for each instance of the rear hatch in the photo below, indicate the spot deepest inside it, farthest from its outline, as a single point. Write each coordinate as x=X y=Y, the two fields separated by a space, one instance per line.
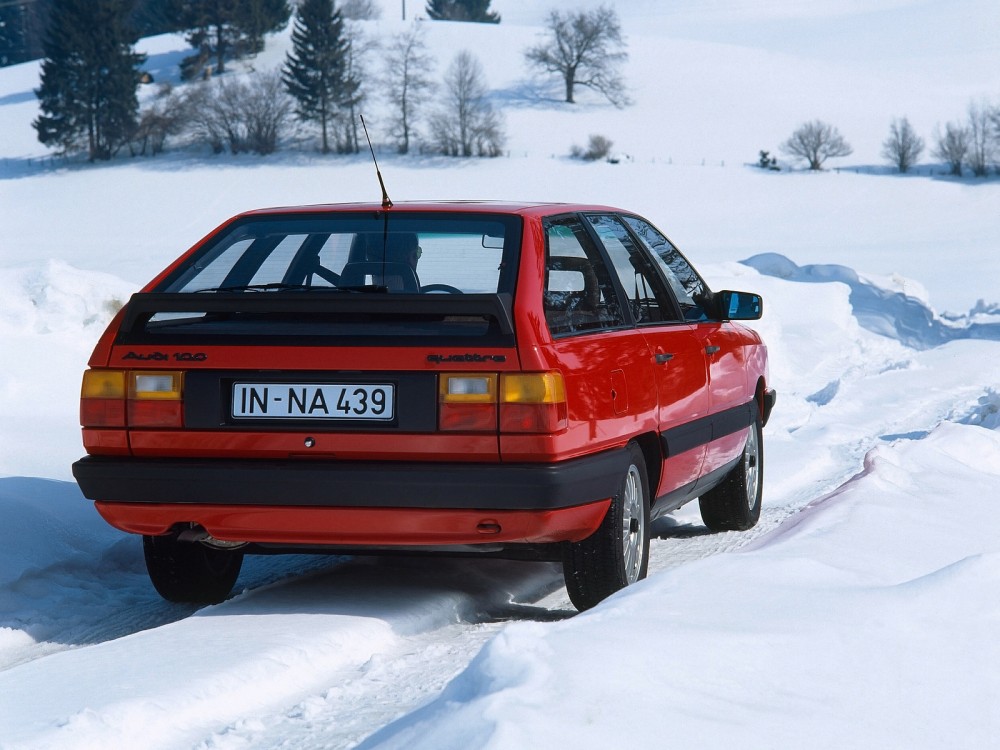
x=338 y=335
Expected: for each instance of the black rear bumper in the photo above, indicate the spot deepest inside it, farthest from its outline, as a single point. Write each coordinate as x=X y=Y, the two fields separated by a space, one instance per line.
x=341 y=484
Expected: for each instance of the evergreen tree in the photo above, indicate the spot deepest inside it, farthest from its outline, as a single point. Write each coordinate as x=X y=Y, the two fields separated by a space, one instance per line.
x=315 y=69
x=461 y=10
x=223 y=29
x=255 y=18
x=13 y=44
x=89 y=77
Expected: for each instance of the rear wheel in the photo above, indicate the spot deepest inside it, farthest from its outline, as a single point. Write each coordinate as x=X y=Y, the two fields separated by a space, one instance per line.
x=734 y=505
x=617 y=554
x=190 y=571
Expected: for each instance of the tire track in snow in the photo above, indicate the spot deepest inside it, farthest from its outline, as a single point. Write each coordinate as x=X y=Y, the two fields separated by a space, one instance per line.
x=806 y=459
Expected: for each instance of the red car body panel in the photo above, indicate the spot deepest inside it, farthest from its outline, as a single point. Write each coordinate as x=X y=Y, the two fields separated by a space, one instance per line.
x=668 y=387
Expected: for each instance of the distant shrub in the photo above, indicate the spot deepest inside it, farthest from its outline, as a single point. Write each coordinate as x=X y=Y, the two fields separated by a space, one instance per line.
x=598 y=147
x=243 y=116
x=766 y=161
x=163 y=118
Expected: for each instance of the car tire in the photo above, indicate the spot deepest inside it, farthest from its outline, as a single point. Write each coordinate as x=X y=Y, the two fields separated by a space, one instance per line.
x=617 y=554
x=734 y=504
x=190 y=571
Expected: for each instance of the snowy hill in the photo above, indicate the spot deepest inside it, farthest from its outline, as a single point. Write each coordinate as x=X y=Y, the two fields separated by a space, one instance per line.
x=857 y=614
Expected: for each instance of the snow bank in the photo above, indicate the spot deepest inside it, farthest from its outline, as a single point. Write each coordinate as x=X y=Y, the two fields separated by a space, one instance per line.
x=864 y=621
x=51 y=315
x=895 y=314
x=861 y=624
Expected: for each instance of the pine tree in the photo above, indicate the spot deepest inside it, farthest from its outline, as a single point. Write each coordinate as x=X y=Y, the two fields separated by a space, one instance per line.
x=223 y=29
x=461 y=10
x=255 y=18
x=89 y=77
x=315 y=69
x=13 y=45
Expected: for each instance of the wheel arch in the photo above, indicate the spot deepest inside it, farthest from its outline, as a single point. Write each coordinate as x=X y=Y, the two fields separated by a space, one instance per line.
x=765 y=398
x=649 y=444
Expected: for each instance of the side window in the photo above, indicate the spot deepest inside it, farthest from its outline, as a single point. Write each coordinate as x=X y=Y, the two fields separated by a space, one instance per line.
x=687 y=285
x=579 y=296
x=649 y=299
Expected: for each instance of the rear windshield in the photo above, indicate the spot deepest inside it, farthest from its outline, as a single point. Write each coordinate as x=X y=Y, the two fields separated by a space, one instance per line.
x=352 y=278
x=409 y=253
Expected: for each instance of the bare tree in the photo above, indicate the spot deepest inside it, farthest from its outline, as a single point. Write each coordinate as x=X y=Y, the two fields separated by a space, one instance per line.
x=355 y=75
x=245 y=116
x=587 y=49
x=407 y=82
x=816 y=142
x=467 y=124
x=952 y=146
x=164 y=117
x=903 y=146
x=982 y=147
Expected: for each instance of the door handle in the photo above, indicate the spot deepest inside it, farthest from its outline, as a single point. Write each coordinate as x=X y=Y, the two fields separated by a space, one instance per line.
x=662 y=359
x=712 y=349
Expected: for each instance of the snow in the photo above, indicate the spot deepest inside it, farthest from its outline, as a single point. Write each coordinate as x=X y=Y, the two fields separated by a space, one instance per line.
x=860 y=612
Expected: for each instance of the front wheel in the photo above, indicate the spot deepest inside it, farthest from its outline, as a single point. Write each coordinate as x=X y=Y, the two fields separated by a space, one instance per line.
x=734 y=505
x=617 y=554
x=190 y=571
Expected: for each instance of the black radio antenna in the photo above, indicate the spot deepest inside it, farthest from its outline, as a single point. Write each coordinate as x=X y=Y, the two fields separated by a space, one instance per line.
x=386 y=203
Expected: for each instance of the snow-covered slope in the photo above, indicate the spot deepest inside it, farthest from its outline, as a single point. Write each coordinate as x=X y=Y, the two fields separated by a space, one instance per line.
x=857 y=614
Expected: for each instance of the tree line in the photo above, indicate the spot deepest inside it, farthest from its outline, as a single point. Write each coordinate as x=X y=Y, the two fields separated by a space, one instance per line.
x=973 y=144
x=91 y=73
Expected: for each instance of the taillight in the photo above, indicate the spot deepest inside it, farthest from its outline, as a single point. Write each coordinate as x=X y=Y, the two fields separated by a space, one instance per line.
x=467 y=402
x=533 y=402
x=102 y=398
x=154 y=398
x=515 y=402
x=138 y=398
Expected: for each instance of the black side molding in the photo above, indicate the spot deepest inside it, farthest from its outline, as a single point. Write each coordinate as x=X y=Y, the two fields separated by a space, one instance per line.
x=676 y=440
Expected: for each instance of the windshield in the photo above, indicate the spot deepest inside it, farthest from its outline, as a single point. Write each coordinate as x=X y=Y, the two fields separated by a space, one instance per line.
x=429 y=253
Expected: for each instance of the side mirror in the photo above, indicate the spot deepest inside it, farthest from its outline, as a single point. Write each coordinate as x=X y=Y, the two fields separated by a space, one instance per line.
x=740 y=305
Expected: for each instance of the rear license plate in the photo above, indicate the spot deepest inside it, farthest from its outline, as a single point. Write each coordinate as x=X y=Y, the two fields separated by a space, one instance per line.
x=313 y=401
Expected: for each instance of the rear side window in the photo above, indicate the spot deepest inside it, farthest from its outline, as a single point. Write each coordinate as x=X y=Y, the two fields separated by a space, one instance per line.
x=579 y=296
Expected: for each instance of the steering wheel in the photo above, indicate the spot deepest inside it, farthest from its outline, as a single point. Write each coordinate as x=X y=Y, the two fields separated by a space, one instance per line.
x=441 y=288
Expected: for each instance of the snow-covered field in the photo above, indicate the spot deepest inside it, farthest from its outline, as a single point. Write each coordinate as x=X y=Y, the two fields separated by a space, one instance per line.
x=863 y=611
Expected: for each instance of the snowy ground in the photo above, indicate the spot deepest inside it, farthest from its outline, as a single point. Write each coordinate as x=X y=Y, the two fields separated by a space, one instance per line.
x=861 y=612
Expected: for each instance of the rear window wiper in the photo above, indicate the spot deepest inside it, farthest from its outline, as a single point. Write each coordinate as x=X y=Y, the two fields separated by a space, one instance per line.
x=366 y=289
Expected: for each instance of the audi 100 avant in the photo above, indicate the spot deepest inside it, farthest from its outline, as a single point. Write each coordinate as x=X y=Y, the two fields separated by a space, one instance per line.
x=533 y=381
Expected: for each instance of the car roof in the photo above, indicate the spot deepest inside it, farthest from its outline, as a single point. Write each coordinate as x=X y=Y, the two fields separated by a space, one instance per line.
x=459 y=206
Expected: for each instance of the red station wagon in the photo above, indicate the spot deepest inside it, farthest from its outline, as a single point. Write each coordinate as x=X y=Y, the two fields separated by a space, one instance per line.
x=536 y=381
